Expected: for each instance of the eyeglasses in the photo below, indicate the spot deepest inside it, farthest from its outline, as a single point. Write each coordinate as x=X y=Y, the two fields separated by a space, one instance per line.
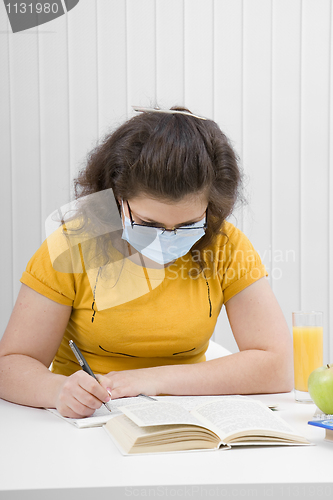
x=155 y=230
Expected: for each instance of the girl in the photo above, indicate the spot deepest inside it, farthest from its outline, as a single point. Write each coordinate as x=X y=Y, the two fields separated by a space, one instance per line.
x=143 y=277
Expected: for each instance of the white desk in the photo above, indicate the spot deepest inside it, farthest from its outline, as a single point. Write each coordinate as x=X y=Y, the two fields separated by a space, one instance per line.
x=44 y=457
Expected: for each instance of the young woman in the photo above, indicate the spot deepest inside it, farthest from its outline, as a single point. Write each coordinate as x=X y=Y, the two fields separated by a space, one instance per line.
x=141 y=300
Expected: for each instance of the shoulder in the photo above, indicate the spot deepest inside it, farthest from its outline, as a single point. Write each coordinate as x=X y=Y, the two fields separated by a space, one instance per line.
x=231 y=239
x=236 y=262
x=50 y=271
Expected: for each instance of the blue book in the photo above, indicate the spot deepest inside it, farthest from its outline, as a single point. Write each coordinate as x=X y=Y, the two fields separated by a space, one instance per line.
x=326 y=424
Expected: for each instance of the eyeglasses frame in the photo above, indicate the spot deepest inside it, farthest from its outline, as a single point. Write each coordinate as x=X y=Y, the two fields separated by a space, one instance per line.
x=163 y=229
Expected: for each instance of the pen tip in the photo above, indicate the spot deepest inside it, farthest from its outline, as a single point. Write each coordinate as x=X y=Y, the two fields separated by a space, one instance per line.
x=108 y=407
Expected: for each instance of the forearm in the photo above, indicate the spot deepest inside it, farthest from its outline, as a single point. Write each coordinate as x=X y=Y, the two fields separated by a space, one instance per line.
x=247 y=372
x=26 y=381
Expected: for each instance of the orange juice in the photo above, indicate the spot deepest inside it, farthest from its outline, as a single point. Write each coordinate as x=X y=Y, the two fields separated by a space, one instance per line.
x=308 y=353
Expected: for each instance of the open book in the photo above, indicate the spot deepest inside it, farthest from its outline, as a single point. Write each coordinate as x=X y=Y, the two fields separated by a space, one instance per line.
x=220 y=422
x=102 y=415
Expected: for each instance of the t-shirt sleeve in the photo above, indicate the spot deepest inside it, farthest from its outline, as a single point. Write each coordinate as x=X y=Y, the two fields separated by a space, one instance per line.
x=46 y=276
x=241 y=266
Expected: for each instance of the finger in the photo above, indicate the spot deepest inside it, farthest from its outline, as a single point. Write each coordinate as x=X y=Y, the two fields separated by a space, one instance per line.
x=82 y=403
x=86 y=397
x=79 y=408
x=105 y=383
x=78 y=390
x=66 y=411
x=74 y=409
x=93 y=387
x=69 y=412
x=123 y=392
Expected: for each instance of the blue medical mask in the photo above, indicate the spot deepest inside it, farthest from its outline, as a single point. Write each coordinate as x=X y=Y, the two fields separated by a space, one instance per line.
x=160 y=245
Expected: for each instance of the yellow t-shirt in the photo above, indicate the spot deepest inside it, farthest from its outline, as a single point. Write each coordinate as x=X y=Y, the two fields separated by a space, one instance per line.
x=125 y=316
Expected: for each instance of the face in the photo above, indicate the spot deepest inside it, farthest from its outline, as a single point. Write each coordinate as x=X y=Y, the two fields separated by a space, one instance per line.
x=169 y=215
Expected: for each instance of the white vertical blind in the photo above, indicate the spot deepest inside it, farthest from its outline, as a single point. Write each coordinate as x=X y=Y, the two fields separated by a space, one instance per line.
x=261 y=68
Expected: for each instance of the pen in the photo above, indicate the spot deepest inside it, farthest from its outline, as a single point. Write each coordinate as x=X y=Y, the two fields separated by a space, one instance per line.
x=148 y=397
x=84 y=365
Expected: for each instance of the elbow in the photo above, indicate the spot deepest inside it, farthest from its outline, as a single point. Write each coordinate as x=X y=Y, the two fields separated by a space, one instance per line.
x=282 y=372
x=289 y=378
x=285 y=385
x=281 y=382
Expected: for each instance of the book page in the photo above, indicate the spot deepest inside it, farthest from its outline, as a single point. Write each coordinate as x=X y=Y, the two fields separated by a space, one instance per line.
x=159 y=413
x=191 y=402
x=228 y=416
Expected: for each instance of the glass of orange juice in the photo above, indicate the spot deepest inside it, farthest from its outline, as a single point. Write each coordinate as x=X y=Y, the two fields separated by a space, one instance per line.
x=308 y=350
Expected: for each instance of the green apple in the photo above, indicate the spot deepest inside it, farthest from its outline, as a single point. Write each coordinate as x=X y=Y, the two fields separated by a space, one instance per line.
x=320 y=385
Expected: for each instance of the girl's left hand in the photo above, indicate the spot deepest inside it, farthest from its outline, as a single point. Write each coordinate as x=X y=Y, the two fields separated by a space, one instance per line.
x=128 y=383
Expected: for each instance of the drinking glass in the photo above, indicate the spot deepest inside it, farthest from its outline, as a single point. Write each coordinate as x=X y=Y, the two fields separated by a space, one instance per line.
x=308 y=350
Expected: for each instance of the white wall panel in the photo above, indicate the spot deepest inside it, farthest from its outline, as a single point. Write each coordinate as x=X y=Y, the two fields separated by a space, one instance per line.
x=112 y=64
x=141 y=53
x=315 y=73
x=6 y=185
x=283 y=261
x=54 y=119
x=261 y=68
x=169 y=53
x=228 y=104
x=257 y=34
x=199 y=56
x=329 y=314
x=228 y=69
x=25 y=150
x=82 y=82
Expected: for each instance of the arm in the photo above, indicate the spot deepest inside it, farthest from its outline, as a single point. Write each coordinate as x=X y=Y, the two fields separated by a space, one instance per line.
x=263 y=365
x=28 y=346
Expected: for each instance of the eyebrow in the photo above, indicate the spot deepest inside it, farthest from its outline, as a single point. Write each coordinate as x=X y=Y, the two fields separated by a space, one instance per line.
x=161 y=224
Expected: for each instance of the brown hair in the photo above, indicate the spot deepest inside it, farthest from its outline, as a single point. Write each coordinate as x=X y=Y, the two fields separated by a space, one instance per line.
x=167 y=156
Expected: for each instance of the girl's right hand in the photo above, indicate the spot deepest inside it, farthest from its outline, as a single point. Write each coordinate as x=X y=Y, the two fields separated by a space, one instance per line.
x=80 y=395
